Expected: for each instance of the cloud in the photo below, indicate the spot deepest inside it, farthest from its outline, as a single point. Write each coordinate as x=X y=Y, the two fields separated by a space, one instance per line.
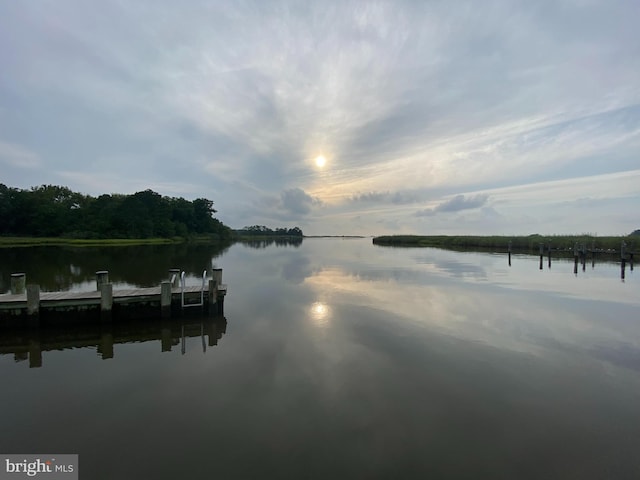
x=399 y=197
x=456 y=204
x=409 y=101
x=18 y=156
x=460 y=202
x=297 y=201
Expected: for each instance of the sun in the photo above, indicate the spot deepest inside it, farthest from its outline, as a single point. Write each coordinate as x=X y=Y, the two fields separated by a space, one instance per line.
x=321 y=161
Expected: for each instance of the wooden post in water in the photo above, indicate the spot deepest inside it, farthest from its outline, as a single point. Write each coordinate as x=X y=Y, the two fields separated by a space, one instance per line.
x=213 y=296
x=509 y=252
x=575 y=259
x=216 y=273
x=549 y=253
x=102 y=277
x=623 y=260
x=165 y=299
x=33 y=304
x=541 y=254
x=18 y=282
x=106 y=301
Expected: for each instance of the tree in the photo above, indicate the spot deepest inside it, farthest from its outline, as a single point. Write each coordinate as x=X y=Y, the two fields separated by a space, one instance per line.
x=51 y=210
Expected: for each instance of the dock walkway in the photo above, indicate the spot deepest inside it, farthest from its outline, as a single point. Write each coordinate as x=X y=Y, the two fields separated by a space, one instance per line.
x=163 y=300
x=63 y=299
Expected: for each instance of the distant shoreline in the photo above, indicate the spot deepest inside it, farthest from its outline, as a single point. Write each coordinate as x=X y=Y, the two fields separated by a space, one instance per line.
x=10 y=242
x=530 y=242
x=335 y=236
x=500 y=243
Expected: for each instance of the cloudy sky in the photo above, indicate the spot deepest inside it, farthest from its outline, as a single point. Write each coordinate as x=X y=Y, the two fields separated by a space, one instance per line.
x=434 y=117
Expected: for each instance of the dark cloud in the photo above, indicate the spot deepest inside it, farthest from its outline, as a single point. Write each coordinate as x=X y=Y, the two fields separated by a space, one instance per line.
x=370 y=197
x=297 y=201
x=400 y=197
x=456 y=204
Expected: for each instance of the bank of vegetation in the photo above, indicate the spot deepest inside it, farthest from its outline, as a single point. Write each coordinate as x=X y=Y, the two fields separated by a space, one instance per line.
x=501 y=243
x=261 y=232
x=55 y=214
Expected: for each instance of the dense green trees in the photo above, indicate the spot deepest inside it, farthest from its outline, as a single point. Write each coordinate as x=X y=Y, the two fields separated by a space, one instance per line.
x=54 y=211
x=262 y=231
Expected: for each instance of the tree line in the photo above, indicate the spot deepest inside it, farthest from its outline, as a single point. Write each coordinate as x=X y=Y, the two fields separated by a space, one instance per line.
x=262 y=231
x=56 y=211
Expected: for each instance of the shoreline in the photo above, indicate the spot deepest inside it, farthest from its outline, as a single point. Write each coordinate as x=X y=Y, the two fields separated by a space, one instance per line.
x=13 y=242
x=503 y=243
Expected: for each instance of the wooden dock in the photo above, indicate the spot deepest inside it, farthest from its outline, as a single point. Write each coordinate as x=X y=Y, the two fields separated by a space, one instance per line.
x=27 y=305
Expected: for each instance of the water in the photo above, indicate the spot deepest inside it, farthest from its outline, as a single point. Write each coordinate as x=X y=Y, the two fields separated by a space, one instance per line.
x=340 y=359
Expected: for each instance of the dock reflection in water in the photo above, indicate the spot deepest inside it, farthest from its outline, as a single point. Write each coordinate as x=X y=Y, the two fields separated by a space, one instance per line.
x=30 y=344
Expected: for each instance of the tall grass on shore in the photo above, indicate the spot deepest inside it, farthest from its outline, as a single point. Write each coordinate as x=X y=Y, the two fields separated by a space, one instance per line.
x=501 y=243
x=9 y=242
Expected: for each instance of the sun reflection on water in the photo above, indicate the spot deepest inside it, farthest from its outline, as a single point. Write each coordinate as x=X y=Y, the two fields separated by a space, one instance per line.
x=320 y=314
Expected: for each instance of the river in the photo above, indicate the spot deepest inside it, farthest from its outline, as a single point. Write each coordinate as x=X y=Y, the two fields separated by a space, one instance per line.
x=337 y=359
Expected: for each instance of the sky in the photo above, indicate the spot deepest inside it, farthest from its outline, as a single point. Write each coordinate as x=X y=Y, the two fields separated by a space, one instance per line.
x=340 y=117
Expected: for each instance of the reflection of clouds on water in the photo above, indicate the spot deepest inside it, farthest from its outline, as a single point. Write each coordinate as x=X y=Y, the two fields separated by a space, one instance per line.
x=545 y=324
x=461 y=269
x=320 y=314
x=297 y=268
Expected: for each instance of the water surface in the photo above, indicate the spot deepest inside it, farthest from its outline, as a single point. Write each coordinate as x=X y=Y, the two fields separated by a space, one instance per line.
x=340 y=359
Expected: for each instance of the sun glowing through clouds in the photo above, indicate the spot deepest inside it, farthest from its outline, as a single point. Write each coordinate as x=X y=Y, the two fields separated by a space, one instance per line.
x=321 y=161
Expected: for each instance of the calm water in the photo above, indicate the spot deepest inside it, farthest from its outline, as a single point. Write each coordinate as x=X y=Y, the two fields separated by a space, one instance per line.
x=337 y=359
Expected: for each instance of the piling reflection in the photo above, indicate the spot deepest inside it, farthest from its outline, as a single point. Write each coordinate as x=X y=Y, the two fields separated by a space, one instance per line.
x=30 y=344
x=579 y=261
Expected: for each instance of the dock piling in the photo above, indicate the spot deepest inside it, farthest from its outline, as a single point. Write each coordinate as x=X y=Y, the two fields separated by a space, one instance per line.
x=106 y=300
x=213 y=295
x=102 y=277
x=33 y=300
x=18 y=282
x=541 y=246
x=165 y=299
x=216 y=273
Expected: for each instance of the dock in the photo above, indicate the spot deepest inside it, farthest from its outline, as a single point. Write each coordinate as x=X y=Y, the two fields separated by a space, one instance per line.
x=26 y=305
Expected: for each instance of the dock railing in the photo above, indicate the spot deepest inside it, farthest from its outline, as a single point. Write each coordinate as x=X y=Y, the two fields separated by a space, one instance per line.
x=183 y=284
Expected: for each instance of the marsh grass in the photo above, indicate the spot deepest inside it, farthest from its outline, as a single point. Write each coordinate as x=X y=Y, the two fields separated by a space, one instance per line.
x=501 y=243
x=10 y=242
